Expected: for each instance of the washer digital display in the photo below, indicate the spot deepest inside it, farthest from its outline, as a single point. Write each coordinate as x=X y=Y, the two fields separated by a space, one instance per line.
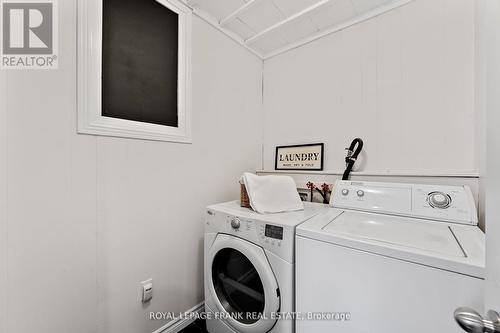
x=273 y=231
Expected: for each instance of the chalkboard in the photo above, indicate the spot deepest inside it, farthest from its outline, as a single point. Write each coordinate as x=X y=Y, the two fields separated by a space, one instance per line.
x=140 y=61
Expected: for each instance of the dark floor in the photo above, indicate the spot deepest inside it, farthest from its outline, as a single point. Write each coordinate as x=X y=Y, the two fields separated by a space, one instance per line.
x=197 y=326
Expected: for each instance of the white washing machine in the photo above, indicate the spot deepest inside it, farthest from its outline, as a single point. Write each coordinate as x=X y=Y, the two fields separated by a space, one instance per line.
x=390 y=258
x=249 y=268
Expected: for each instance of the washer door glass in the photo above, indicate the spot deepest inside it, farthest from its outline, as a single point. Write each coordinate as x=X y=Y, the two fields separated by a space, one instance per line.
x=238 y=286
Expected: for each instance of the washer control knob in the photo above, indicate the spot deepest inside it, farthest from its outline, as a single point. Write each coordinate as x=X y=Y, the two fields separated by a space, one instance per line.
x=360 y=193
x=235 y=223
x=345 y=191
x=439 y=200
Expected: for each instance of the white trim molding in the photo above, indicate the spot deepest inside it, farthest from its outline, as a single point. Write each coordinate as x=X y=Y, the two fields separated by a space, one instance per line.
x=90 y=118
x=177 y=325
x=375 y=173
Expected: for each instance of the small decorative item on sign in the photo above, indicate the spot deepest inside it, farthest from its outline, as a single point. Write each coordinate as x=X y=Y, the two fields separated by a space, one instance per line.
x=300 y=157
x=325 y=191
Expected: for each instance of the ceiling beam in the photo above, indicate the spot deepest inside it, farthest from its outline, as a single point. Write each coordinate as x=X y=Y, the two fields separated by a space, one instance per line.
x=289 y=19
x=238 y=12
x=355 y=20
x=214 y=22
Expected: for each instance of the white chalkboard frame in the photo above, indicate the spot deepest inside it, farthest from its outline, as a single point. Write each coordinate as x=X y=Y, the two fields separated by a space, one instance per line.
x=90 y=119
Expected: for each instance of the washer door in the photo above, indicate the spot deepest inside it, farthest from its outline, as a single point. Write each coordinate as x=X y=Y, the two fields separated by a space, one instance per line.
x=242 y=284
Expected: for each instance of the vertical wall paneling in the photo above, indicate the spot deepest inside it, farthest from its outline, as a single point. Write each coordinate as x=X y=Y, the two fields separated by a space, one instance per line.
x=490 y=15
x=92 y=217
x=403 y=81
x=480 y=99
x=88 y=218
x=3 y=203
x=151 y=195
x=51 y=207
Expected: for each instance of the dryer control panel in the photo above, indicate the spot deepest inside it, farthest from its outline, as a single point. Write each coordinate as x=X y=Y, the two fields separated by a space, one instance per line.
x=273 y=237
x=273 y=232
x=278 y=239
x=437 y=202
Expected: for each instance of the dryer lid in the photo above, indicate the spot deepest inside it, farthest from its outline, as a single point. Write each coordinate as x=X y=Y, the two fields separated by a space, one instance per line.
x=400 y=231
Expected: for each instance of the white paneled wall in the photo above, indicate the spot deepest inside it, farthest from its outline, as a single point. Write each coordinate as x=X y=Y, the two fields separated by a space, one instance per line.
x=404 y=82
x=50 y=199
x=165 y=188
x=489 y=77
x=3 y=202
x=84 y=219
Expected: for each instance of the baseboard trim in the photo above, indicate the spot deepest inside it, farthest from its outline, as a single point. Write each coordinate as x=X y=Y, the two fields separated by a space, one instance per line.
x=176 y=325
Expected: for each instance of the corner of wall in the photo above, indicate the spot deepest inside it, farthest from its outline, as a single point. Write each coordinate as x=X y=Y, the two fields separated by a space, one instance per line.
x=479 y=104
x=3 y=202
x=260 y=164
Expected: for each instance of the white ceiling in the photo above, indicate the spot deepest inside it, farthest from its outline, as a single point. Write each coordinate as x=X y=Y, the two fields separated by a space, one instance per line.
x=270 y=27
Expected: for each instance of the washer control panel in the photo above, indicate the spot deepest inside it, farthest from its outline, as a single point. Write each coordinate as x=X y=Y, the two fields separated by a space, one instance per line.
x=437 y=202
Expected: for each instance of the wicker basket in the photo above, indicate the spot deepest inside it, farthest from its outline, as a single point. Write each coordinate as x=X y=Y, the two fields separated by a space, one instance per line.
x=244 y=200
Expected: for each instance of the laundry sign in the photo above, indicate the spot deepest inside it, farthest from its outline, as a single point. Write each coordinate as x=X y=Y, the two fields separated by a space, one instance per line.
x=300 y=157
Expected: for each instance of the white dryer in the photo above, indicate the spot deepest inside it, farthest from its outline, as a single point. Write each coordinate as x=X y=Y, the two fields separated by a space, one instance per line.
x=394 y=257
x=249 y=268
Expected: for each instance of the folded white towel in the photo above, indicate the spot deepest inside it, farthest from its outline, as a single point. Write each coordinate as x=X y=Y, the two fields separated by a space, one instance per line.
x=272 y=194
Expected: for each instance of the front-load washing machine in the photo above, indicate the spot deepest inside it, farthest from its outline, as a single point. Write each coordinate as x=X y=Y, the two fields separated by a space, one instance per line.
x=249 y=268
x=394 y=257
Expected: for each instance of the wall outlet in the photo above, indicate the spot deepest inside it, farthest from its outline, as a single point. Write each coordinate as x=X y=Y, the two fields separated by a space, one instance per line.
x=147 y=290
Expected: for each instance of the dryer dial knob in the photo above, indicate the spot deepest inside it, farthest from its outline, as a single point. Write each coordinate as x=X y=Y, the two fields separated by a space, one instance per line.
x=439 y=200
x=235 y=223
